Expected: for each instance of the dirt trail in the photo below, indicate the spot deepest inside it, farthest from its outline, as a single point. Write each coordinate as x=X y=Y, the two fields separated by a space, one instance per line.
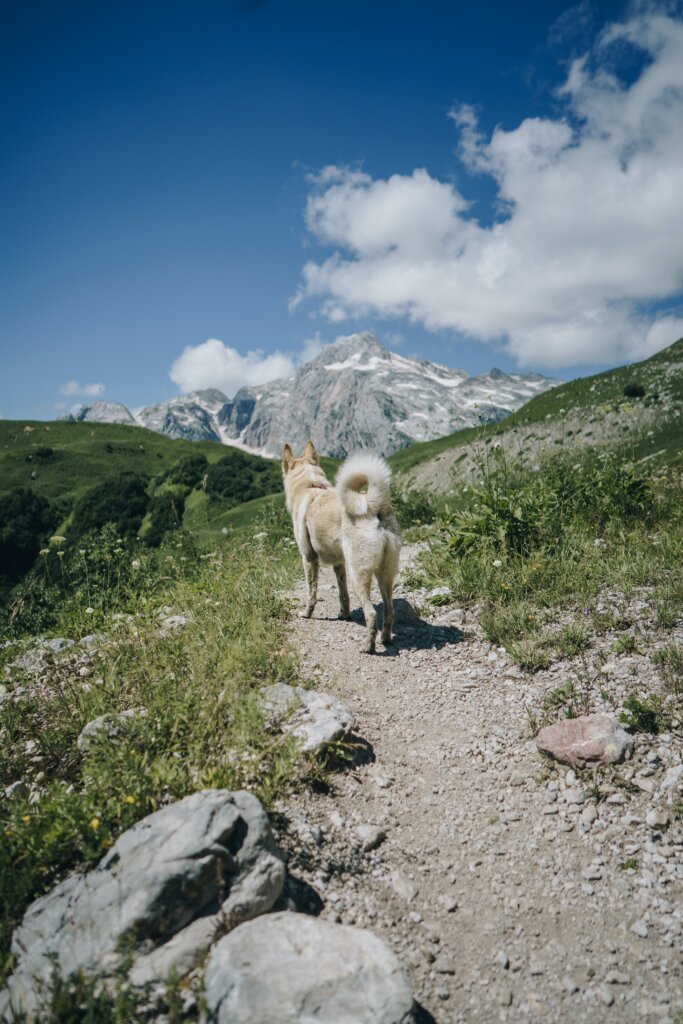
x=499 y=894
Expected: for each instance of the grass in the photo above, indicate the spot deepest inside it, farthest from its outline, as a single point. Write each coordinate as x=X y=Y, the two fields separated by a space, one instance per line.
x=536 y=552
x=202 y=727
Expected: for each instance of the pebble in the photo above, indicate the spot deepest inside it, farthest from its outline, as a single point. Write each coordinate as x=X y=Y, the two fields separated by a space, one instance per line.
x=639 y=928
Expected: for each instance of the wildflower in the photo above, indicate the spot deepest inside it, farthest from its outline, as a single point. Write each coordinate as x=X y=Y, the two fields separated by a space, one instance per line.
x=25 y=818
x=81 y=551
x=94 y=824
x=44 y=552
x=135 y=564
x=129 y=800
x=57 y=539
x=497 y=562
x=89 y=611
x=60 y=554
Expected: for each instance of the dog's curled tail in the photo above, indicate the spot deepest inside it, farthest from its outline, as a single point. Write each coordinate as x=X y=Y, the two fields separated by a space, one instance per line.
x=363 y=485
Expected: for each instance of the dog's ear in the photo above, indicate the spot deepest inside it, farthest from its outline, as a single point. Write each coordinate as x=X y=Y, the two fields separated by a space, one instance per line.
x=310 y=453
x=287 y=457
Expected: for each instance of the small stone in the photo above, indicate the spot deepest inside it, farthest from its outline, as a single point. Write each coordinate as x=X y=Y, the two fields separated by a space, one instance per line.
x=505 y=997
x=443 y=994
x=575 y=795
x=444 y=964
x=639 y=928
x=592 y=873
x=569 y=985
x=658 y=817
x=671 y=777
x=588 y=815
x=551 y=809
x=616 y=798
x=644 y=784
x=370 y=836
x=502 y=959
x=605 y=995
x=616 y=978
x=536 y=968
x=414 y=917
x=17 y=791
x=449 y=903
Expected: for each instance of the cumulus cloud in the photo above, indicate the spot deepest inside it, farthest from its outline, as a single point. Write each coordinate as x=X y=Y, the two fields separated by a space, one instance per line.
x=216 y=365
x=72 y=389
x=587 y=240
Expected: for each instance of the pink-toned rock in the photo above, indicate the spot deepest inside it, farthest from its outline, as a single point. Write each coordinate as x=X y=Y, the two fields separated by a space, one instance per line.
x=590 y=739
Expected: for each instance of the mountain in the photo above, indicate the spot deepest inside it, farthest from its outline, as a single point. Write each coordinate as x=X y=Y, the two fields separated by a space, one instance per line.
x=354 y=394
x=636 y=408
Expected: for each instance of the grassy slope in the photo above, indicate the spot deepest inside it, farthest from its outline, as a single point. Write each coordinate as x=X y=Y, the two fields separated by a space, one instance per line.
x=662 y=373
x=81 y=458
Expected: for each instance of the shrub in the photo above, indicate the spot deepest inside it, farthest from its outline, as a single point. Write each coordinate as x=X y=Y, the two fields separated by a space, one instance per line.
x=26 y=519
x=189 y=471
x=166 y=513
x=634 y=391
x=123 y=503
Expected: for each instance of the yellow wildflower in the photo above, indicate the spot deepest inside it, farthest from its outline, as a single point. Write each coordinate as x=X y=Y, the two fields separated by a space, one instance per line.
x=94 y=824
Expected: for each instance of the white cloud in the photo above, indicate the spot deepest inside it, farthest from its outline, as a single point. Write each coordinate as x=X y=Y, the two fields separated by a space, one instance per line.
x=215 y=365
x=72 y=389
x=589 y=234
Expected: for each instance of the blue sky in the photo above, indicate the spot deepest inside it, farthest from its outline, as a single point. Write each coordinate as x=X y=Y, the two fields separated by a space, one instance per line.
x=479 y=184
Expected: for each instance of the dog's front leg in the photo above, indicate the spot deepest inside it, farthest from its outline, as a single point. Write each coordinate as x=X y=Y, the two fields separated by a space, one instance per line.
x=344 y=603
x=311 y=566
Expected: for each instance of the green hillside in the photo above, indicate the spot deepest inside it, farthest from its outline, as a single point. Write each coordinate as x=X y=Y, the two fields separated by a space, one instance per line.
x=612 y=394
x=83 y=454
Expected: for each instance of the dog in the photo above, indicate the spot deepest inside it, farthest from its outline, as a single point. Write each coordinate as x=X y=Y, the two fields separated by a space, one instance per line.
x=351 y=527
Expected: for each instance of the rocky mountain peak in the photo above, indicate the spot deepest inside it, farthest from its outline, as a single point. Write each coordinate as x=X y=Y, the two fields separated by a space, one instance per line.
x=355 y=394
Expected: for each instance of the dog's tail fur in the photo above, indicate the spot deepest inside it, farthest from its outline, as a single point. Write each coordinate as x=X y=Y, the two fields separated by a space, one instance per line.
x=363 y=485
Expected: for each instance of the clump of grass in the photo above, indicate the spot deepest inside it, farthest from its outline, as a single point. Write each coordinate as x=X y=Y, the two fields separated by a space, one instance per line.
x=527 y=545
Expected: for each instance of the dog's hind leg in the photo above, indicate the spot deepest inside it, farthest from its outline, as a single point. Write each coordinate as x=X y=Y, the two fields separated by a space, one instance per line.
x=362 y=583
x=386 y=586
x=344 y=605
x=311 y=567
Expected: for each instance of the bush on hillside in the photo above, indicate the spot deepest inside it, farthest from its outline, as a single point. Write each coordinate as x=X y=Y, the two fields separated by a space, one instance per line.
x=634 y=391
x=122 y=502
x=166 y=513
x=238 y=477
x=189 y=471
x=26 y=520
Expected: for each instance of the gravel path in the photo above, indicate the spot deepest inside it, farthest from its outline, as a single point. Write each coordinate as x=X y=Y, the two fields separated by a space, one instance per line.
x=506 y=889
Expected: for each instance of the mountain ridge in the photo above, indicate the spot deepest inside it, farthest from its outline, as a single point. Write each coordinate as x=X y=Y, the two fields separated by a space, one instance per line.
x=355 y=394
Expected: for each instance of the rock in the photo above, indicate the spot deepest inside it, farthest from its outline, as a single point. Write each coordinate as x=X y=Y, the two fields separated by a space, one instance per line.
x=588 y=816
x=605 y=995
x=108 y=726
x=155 y=895
x=405 y=613
x=92 y=640
x=370 y=836
x=292 y=968
x=672 y=777
x=502 y=959
x=592 y=873
x=316 y=719
x=172 y=624
x=18 y=790
x=402 y=885
x=658 y=817
x=639 y=928
x=587 y=740
x=575 y=795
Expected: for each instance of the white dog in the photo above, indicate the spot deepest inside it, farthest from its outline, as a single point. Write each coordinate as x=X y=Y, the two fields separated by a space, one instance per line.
x=351 y=527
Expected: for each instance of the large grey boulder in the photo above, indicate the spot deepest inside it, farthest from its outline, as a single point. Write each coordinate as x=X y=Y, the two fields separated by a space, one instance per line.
x=316 y=719
x=584 y=741
x=159 y=895
x=296 y=969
